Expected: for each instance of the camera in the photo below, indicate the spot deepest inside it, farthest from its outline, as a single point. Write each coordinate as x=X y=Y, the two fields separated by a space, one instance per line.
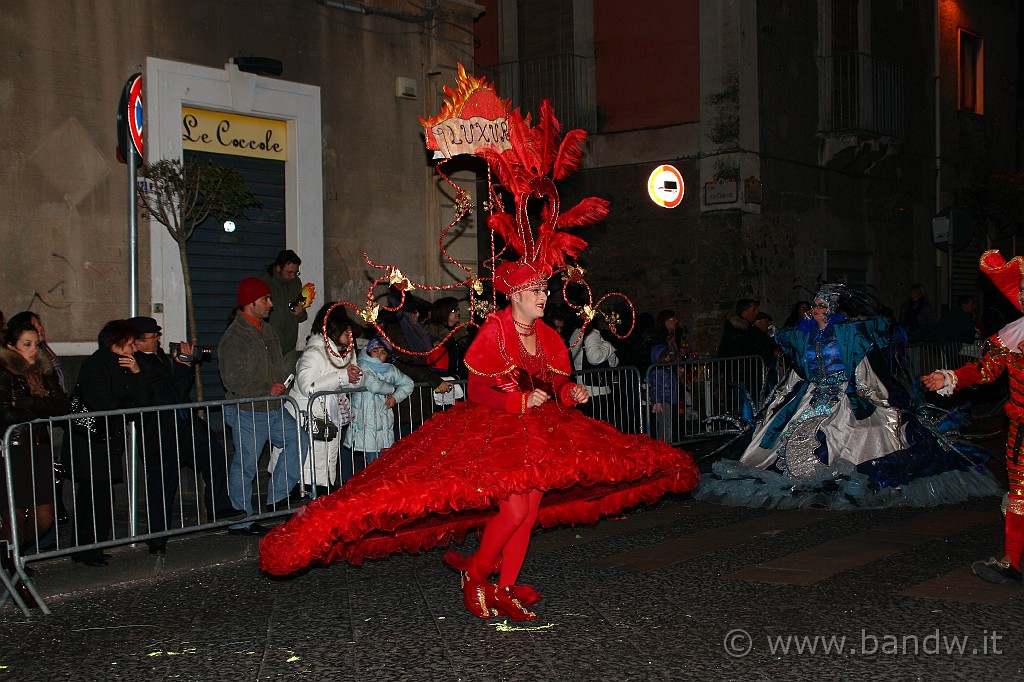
x=199 y=354
x=297 y=303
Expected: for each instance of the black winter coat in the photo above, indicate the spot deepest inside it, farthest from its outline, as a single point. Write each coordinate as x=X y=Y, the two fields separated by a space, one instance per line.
x=105 y=385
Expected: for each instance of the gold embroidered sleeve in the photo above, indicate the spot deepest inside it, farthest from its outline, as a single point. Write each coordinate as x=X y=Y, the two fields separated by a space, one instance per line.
x=992 y=363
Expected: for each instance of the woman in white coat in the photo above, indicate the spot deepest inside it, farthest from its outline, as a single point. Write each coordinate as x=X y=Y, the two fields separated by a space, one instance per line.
x=319 y=370
x=596 y=352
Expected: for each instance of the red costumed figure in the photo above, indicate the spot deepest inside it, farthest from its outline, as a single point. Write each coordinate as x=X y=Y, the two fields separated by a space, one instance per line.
x=517 y=453
x=1004 y=351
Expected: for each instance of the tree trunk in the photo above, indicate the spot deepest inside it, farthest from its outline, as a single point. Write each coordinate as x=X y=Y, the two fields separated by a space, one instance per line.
x=190 y=313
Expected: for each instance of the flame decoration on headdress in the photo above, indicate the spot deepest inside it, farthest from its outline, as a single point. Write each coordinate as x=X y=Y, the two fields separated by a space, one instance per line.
x=526 y=160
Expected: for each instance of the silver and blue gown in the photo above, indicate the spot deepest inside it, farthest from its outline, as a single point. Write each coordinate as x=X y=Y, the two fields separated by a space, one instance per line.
x=840 y=432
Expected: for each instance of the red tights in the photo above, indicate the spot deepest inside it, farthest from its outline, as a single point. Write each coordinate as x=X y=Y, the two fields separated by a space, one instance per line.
x=508 y=534
x=1014 y=538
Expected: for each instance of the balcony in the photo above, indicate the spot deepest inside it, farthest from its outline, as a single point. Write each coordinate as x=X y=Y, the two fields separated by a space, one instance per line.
x=860 y=95
x=565 y=79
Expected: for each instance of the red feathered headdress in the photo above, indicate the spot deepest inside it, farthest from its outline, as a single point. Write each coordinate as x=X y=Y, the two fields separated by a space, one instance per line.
x=1006 y=276
x=526 y=160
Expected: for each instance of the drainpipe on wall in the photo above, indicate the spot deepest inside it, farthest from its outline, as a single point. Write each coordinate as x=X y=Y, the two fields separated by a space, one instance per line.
x=938 y=164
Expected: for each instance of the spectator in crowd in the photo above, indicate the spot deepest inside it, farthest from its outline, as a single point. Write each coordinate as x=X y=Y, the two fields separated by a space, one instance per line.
x=282 y=276
x=739 y=336
x=251 y=368
x=448 y=359
x=767 y=348
x=917 y=315
x=663 y=394
x=405 y=328
x=172 y=439
x=28 y=390
x=637 y=350
x=959 y=325
x=327 y=365
x=110 y=379
x=373 y=428
x=800 y=311
x=594 y=351
x=765 y=338
x=58 y=432
x=559 y=318
x=673 y=335
x=997 y=312
x=37 y=324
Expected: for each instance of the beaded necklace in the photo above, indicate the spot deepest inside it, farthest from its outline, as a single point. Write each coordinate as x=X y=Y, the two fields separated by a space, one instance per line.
x=530 y=328
x=535 y=363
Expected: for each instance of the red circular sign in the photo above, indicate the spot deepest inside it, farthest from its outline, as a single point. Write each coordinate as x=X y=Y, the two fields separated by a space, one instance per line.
x=134 y=113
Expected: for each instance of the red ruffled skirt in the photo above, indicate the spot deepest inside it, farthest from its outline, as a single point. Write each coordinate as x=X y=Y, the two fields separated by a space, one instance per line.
x=448 y=477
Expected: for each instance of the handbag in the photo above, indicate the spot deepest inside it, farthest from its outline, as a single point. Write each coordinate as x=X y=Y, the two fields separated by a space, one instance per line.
x=322 y=428
x=85 y=426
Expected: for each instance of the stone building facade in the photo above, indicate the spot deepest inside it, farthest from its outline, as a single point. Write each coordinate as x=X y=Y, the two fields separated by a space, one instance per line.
x=354 y=79
x=816 y=139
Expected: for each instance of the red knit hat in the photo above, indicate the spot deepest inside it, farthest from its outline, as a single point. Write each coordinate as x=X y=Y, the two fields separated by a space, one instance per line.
x=1006 y=276
x=251 y=289
x=510 y=278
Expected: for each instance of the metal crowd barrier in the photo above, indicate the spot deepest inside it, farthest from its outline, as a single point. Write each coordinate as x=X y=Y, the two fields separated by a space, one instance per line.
x=697 y=399
x=920 y=358
x=616 y=396
x=146 y=475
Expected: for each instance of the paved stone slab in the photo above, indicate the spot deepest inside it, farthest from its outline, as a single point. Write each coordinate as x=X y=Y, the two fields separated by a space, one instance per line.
x=962 y=585
x=681 y=549
x=826 y=560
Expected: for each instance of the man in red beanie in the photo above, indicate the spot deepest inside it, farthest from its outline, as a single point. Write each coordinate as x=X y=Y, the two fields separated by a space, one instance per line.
x=251 y=368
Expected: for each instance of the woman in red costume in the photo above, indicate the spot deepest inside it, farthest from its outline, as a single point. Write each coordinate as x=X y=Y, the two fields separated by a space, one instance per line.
x=516 y=441
x=517 y=453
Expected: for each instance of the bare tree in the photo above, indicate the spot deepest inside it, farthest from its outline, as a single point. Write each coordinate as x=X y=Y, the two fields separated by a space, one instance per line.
x=181 y=196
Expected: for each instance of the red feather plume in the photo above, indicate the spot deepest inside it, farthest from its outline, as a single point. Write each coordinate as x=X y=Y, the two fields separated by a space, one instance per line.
x=570 y=153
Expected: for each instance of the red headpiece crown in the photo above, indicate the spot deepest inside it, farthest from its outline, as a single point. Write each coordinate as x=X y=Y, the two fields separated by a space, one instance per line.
x=1006 y=276
x=527 y=161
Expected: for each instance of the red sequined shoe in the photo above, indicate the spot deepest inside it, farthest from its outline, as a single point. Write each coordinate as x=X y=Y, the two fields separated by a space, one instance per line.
x=506 y=603
x=477 y=594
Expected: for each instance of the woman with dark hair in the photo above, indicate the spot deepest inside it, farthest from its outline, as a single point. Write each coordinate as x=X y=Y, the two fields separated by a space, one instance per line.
x=448 y=358
x=559 y=321
x=37 y=323
x=28 y=390
x=800 y=311
x=326 y=364
x=110 y=379
x=917 y=315
x=406 y=330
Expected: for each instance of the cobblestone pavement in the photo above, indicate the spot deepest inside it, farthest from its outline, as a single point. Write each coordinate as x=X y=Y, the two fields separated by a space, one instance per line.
x=682 y=590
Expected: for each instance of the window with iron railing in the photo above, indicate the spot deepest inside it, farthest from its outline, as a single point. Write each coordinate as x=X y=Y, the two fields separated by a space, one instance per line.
x=860 y=94
x=564 y=79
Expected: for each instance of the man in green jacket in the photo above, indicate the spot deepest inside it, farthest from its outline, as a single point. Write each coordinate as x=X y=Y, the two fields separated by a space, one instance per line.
x=251 y=370
x=282 y=276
